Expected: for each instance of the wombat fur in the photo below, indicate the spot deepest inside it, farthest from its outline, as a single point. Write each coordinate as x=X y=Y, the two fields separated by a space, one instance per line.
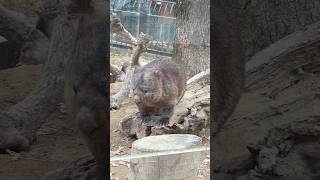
x=158 y=87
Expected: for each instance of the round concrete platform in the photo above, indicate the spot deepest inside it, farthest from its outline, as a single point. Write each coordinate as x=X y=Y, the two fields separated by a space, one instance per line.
x=168 y=142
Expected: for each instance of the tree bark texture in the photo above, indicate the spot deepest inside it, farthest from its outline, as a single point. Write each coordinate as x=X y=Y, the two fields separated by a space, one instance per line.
x=193 y=35
x=228 y=61
x=265 y=22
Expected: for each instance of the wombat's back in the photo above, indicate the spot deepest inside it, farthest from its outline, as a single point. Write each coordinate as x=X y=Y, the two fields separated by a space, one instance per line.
x=174 y=75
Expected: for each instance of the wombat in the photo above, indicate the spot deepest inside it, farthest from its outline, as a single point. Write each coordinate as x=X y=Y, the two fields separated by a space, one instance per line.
x=158 y=87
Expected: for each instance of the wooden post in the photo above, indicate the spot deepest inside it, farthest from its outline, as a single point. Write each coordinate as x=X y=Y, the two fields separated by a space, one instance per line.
x=183 y=166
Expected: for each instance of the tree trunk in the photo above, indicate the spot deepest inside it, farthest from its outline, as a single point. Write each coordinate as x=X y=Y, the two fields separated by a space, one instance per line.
x=265 y=22
x=193 y=35
x=228 y=61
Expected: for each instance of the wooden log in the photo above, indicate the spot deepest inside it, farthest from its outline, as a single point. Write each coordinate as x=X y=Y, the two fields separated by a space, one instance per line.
x=183 y=166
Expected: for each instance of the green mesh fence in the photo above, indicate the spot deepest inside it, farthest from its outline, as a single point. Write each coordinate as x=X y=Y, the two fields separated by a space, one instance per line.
x=160 y=22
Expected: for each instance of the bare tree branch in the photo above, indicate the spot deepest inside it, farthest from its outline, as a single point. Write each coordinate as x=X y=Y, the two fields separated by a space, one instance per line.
x=140 y=45
x=199 y=76
x=120 y=30
x=118 y=98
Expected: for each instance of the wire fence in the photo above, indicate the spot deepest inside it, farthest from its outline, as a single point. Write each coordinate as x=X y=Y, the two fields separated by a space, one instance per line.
x=154 y=17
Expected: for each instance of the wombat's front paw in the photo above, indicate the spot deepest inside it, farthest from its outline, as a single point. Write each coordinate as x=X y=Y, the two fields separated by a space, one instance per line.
x=155 y=119
x=164 y=120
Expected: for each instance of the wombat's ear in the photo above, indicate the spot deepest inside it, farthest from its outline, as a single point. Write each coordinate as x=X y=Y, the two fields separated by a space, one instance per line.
x=157 y=73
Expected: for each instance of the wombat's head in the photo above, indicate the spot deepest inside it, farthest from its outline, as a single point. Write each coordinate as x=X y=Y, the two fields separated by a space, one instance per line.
x=148 y=88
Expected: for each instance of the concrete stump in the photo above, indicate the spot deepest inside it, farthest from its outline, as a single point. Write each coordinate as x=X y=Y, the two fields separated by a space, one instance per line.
x=182 y=166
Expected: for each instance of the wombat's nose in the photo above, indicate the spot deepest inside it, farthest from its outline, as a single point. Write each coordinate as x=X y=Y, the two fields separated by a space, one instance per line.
x=136 y=99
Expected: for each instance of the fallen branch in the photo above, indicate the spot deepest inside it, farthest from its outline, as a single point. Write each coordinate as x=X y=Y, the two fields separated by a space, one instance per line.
x=202 y=75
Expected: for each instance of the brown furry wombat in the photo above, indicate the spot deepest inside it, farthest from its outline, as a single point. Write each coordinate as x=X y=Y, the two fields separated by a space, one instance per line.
x=158 y=87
